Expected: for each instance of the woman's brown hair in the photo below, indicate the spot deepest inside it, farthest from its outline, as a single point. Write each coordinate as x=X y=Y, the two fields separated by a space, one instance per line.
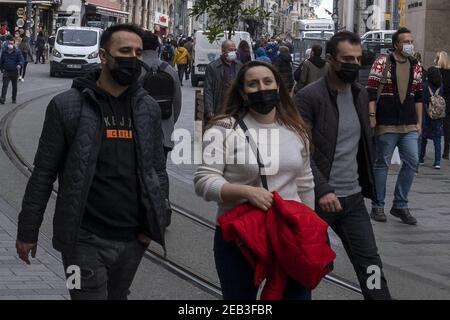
x=287 y=114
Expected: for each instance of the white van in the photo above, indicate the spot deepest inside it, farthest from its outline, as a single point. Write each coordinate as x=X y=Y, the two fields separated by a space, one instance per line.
x=75 y=50
x=378 y=36
x=205 y=52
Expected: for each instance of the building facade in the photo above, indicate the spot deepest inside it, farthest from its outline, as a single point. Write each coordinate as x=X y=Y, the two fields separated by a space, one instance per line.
x=153 y=15
x=43 y=15
x=361 y=16
x=427 y=19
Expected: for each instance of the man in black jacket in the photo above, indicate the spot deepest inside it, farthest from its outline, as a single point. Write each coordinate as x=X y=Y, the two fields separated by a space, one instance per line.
x=342 y=161
x=103 y=140
x=11 y=61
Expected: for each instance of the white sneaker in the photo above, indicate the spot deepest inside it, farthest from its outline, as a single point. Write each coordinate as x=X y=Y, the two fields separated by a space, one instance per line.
x=22 y=79
x=437 y=167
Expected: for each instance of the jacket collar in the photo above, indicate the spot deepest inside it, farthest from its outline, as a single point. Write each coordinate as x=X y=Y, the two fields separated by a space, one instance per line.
x=356 y=89
x=220 y=63
x=413 y=61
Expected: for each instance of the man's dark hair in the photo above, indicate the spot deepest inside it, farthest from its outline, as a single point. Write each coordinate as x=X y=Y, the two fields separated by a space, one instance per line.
x=150 y=40
x=343 y=36
x=396 y=36
x=107 y=34
x=10 y=38
x=316 y=50
x=189 y=39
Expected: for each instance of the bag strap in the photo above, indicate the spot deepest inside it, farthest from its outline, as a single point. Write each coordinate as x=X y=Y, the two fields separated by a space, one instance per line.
x=254 y=147
x=432 y=94
x=387 y=66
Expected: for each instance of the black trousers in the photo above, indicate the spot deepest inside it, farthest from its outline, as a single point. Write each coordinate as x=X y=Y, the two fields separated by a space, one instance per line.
x=354 y=228
x=107 y=267
x=10 y=77
x=447 y=134
x=181 y=71
x=40 y=57
x=23 y=70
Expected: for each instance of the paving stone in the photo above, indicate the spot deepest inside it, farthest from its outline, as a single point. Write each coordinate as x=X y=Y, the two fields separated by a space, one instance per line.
x=41 y=297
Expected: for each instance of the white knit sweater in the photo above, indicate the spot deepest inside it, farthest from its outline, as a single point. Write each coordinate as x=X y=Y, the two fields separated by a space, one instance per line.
x=228 y=158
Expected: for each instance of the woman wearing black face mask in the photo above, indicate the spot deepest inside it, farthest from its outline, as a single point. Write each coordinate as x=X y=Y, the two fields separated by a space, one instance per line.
x=260 y=99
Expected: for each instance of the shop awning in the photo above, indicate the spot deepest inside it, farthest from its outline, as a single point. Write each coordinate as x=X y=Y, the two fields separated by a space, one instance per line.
x=24 y=2
x=112 y=12
x=108 y=4
x=108 y=8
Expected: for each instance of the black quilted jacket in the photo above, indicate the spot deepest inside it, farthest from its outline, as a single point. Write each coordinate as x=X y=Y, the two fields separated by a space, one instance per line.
x=68 y=150
x=317 y=104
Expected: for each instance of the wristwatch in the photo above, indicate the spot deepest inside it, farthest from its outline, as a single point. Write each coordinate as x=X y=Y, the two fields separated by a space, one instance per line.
x=372 y=114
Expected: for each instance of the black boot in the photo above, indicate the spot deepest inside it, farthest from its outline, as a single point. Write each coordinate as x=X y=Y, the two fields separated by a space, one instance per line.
x=405 y=215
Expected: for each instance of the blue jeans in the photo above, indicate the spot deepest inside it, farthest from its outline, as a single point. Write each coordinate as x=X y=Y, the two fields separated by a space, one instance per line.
x=437 y=150
x=409 y=154
x=236 y=274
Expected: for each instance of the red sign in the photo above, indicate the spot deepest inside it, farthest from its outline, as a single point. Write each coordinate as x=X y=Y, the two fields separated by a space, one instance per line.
x=162 y=19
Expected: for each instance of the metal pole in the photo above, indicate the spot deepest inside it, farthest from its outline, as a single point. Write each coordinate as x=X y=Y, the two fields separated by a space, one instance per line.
x=395 y=14
x=29 y=9
x=336 y=12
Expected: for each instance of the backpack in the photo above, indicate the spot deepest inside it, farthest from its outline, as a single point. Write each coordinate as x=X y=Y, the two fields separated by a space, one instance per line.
x=161 y=87
x=436 y=108
x=167 y=53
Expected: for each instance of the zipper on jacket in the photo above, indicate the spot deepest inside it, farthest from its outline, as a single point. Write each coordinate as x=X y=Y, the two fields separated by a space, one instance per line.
x=91 y=175
x=140 y=170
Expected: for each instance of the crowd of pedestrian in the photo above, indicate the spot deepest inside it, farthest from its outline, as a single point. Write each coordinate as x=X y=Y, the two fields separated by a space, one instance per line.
x=333 y=145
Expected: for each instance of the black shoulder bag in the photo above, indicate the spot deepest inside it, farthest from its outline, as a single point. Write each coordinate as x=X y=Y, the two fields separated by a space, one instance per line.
x=254 y=147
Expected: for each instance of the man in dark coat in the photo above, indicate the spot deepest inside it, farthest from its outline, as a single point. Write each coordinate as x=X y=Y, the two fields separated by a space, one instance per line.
x=10 y=63
x=219 y=76
x=103 y=140
x=337 y=110
x=284 y=64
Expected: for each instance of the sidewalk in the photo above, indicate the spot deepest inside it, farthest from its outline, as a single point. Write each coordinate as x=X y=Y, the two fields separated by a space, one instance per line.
x=42 y=280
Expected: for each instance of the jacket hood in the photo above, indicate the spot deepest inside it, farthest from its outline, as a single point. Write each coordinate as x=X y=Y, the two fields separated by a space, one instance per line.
x=318 y=62
x=90 y=82
x=87 y=82
x=261 y=52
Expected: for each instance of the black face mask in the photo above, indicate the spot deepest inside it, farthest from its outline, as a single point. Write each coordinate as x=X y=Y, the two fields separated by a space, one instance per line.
x=263 y=102
x=348 y=72
x=126 y=70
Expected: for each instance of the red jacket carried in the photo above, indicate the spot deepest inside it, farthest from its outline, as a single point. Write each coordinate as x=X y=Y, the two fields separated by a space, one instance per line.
x=289 y=240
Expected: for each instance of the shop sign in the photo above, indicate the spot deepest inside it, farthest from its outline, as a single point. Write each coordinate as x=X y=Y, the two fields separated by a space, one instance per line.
x=162 y=19
x=21 y=12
